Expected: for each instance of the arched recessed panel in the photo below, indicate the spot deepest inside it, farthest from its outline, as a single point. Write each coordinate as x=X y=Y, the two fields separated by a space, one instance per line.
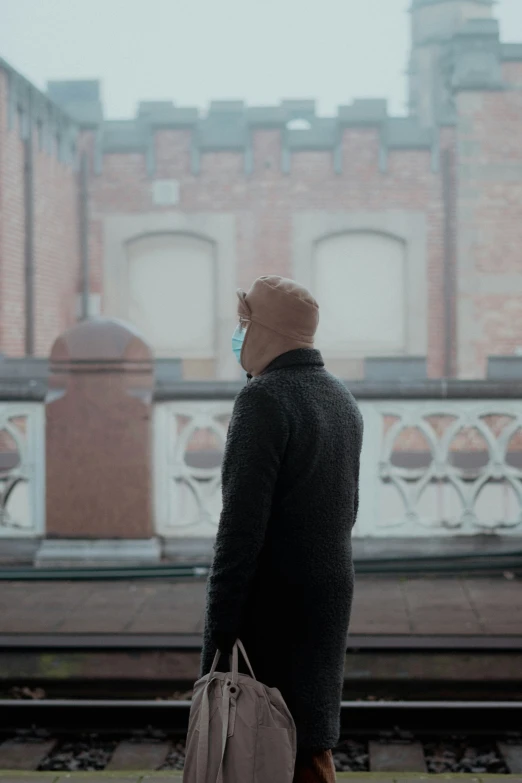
x=172 y=294
x=360 y=283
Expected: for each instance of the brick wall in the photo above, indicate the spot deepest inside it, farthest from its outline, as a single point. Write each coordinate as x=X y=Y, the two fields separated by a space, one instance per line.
x=57 y=260
x=12 y=291
x=56 y=247
x=265 y=202
x=489 y=225
x=487 y=153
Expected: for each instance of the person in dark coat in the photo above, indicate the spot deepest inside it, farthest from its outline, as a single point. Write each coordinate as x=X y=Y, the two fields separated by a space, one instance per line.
x=282 y=573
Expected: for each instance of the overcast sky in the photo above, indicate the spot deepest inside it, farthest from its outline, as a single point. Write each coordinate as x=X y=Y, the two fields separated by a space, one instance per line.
x=194 y=51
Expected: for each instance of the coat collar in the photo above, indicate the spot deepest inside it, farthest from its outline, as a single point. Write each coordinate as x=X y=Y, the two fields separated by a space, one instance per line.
x=300 y=357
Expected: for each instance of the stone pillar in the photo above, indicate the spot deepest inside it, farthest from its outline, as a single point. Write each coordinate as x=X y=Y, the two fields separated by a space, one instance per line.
x=99 y=447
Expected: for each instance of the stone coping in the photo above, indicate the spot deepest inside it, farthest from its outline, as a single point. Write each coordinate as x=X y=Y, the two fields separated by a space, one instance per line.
x=160 y=777
x=24 y=390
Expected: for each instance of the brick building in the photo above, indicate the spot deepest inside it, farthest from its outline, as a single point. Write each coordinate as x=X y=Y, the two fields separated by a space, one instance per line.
x=407 y=229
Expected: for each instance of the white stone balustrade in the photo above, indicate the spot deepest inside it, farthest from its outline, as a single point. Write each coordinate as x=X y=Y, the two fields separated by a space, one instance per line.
x=428 y=468
x=22 y=469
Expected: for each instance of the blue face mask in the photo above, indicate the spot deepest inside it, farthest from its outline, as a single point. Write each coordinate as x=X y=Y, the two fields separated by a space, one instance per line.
x=237 y=341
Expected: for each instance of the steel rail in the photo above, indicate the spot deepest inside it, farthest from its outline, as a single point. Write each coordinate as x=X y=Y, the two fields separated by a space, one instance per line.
x=182 y=642
x=357 y=717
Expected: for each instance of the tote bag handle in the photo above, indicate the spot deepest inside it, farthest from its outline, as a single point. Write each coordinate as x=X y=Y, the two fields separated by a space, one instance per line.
x=204 y=725
x=233 y=661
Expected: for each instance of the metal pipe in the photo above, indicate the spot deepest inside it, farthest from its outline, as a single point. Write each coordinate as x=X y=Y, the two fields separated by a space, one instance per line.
x=29 y=241
x=84 y=236
x=448 y=194
x=484 y=562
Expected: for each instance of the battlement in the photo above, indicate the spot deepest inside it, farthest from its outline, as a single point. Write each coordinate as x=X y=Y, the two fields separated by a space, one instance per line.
x=31 y=111
x=472 y=59
x=81 y=99
x=228 y=126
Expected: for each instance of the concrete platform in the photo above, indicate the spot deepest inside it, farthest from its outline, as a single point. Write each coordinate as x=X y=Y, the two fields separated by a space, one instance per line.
x=166 y=777
x=382 y=606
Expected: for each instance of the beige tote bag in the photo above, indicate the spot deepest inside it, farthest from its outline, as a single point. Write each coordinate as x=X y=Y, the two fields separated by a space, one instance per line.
x=240 y=731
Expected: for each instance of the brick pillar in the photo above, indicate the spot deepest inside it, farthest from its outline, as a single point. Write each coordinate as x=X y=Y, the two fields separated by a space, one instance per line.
x=98 y=445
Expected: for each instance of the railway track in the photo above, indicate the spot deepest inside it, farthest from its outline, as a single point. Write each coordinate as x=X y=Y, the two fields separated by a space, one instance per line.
x=357 y=717
x=446 y=704
x=146 y=667
x=480 y=737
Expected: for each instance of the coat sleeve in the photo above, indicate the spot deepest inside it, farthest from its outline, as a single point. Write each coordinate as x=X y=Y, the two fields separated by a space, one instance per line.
x=357 y=471
x=256 y=443
x=356 y=493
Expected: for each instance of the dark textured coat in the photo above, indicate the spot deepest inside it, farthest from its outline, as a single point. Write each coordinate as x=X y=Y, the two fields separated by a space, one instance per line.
x=282 y=575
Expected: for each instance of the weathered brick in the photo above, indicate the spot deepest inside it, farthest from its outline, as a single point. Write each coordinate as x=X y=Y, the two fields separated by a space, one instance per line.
x=56 y=247
x=486 y=150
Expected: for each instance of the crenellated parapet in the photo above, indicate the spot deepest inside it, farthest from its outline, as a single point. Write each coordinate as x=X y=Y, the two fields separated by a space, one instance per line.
x=229 y=126
x=456 y=47
x=33 y=112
